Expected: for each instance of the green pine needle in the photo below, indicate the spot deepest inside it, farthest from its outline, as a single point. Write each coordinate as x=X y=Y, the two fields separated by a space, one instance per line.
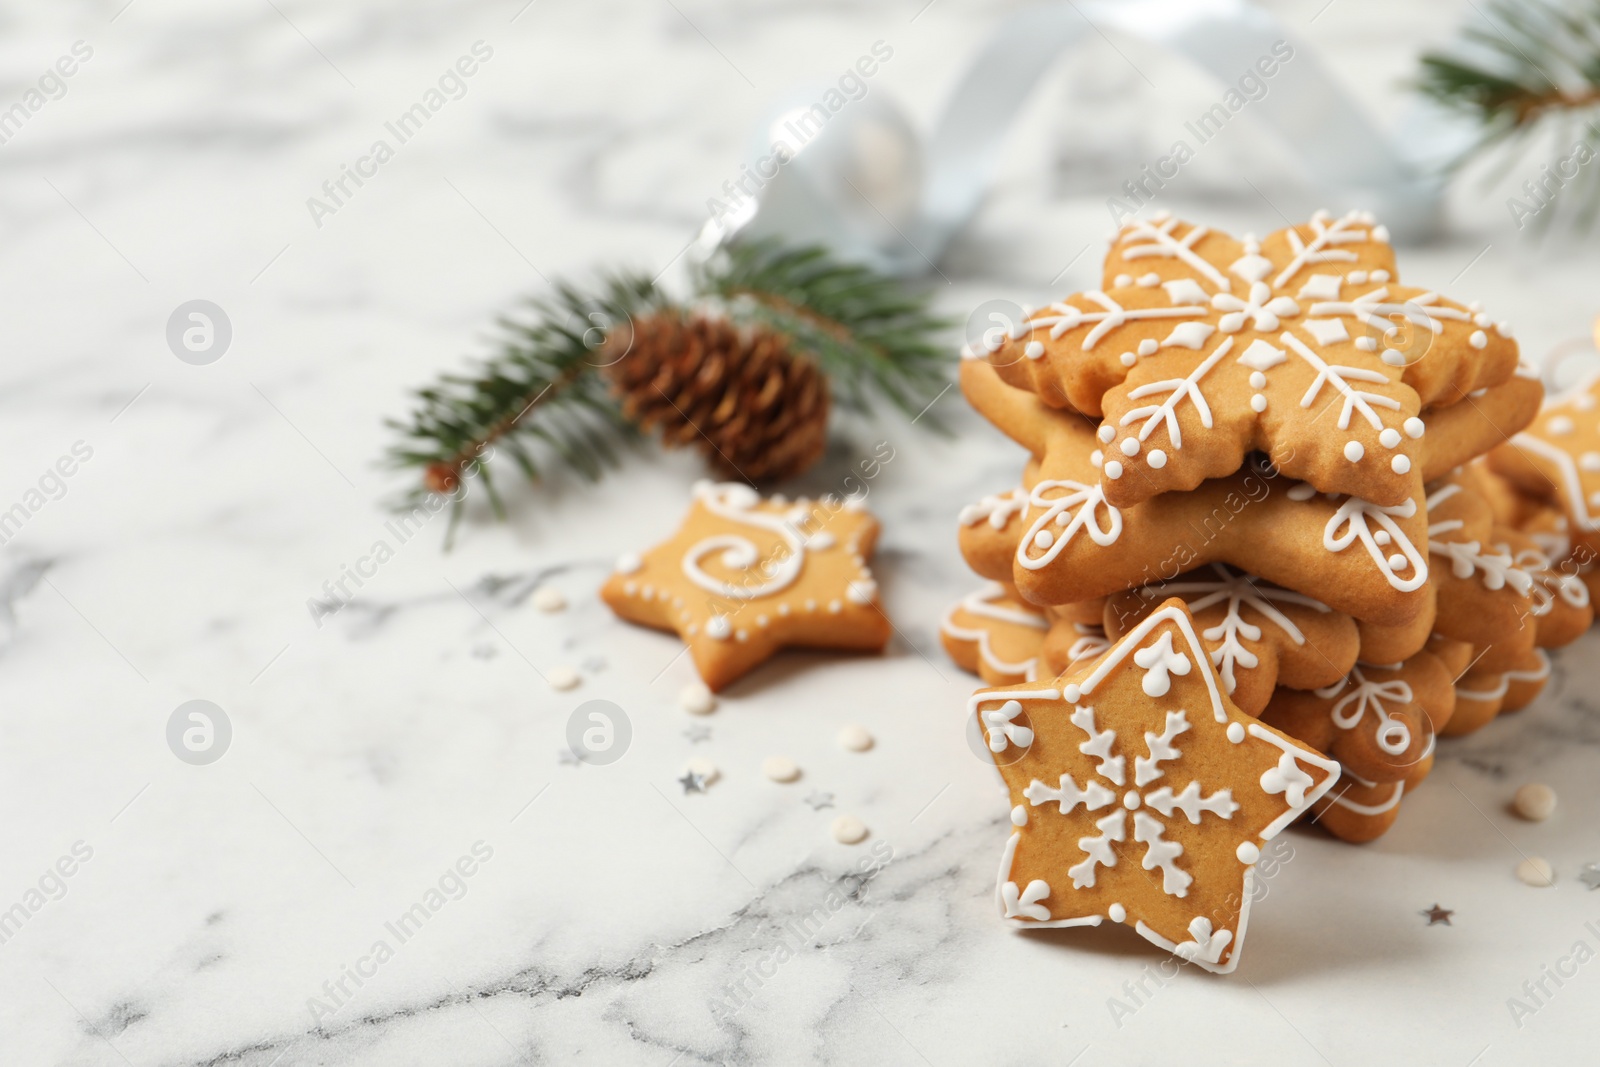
x=536 y=403
x=1519 y=67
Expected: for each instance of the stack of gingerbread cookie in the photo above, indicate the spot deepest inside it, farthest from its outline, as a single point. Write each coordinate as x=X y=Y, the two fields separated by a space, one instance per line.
x=1281 y=436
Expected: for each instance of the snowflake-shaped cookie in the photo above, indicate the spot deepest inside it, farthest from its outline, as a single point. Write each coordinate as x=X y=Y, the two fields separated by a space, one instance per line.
x=1259 y=635
x=745 y=576
x=1142 y=795
x=1200 y=348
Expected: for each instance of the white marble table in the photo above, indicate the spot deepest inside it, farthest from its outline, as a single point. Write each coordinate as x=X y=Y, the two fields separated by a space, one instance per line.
x=606 y=911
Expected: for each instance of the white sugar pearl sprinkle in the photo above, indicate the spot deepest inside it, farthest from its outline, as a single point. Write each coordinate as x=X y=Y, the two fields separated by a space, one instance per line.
x=1258 y=402
x=849 y=830
x=549 y=598
x=1236 y=732
x=1479 y=339
x=1043 y=540
x=1536 y=871
x=1130 y=446
x=1106 y=433
x=780 y=768
x=1247 y=852
x=854 y=738
x=1397 y=562
x=1258 y=380
x=1535 y=802
x=1353 y=451
x=1113 y=470
x=1414 y=427
x=1400 y=464
x=1389 y=438
x=697 y=699
x=563 y=678
x=1157 y=459
x=1128 y=359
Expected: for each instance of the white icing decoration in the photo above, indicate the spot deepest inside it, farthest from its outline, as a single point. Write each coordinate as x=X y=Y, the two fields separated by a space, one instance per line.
x=1191 y=803
x=1147 y=769
x=736 y=502
x=1033 y=350
x=1400 y=464
x=1099 y=745
x=1066 y=317
x=1148 y=347
x=1354 y=450
x=1204 y=946
x=1236 y=732
x=1068 y=795
x=1003 y=732
x=1323 y=287
x=1176 y=389
x=1478 y=339
x=1189 y=335
x=1117 y=913
x=1019 y=816
x=1088 y=501
x=1414 y=427
x=1371 y=309
x=1261 y=309
x=1327 y=331
x=1130 y=446
x=982 y=604
x=1353 y=521
x=1498 y=569
x=1559 y=425
x=1105 y=433
x=1247 y=852
x=1251 y=267
x=1261 y=356
x=629 y=563
x=997 y=509
x=1160 y=660
x=1157 y=458
x=1238 y=590
x=1113 y=469
x=1321 y=248
x=1161 y=243
x=717 y=626
x=1150 y=281
x=1097 y=850
x=1185 y=291
x=1026 y=904
x=1392 y=735
x=1340 y=377
x=1389 y=438
x=1159 y=852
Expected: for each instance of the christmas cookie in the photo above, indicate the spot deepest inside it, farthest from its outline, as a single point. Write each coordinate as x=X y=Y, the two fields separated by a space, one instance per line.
x=1141 y=795
x=1380 y=723
x=1451 y=435
x=1481 y=694
x=995 y=634
x=1259 y=636
x=1200 y=349
x=1059 y=540
x=1558 y=459
x=745 y=576
x=1069 y=644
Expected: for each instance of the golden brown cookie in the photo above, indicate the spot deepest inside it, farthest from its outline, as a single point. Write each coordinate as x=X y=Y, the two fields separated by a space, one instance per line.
x=1064 y=542
x=1481 y=695
x=745 y=576
x=1069 y=644
x=1140 y=794
x=1202 y=349
x=1558 y=459
x=995 y=634
x=1259 y=636
x=1380 y=723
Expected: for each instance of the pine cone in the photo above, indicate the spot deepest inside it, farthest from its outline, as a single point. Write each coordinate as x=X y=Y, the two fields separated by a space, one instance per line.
x=754 y=407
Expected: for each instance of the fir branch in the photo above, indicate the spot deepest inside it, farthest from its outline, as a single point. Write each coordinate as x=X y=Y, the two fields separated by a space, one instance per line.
x=543 y=366
x=1529 y=65
x=870 y=334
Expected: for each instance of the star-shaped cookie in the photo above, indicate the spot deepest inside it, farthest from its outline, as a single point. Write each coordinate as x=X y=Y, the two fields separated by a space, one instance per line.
x=1142 y=795
x=1558 y=459
x=745 y=576
x=1201 y=348
x=995 y=634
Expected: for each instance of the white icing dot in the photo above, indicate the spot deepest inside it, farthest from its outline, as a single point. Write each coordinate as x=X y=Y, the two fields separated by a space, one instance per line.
x=1236 y=732
x=1393 y=358
x=697 y=699
x=1117 y=913
x=1150 y=281
x=780 y=768
x=630 y=587
x=1398 y=562
x=1113 y=470
x=1380 y=276
x=1535 y=802
x=821 y=541
x=834 y=607
x=854 y=738
x=1106 y=432
x=783 y=609
x=1248 y=852
x=1482 y=320
x=1503 y=329
x=849 y=830
x=1594 y=500
x=1033 y=350
x=563 y=678
x=811 y=604
x=1414 y=427
x=1258 y=380
x=1122 y=281
x=1389 y=438
x=1043 y=540
x=1358 y=277
x=1353 y=451
x=1128 y=359
x=1589 y=461
x=1019 y=816
x=629 y=563
x=1381 y=537
x=761 y=622
x=1130 y=446
x=1147 y=347
x=1096 y=458
x=1258 y=402
x=1367 y=344
x=1536 y=871
x=1072 y=692
x=1559 y=425
x=1157 y=458
x=648 y=592
x=717 y=626
x=1479 y=339
x=1400 y=464
x=1130 y=800
x=1301 y=491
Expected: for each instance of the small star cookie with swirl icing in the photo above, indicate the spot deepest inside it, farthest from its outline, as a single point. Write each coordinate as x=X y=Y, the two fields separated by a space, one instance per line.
x=1141 y=795
x=745 y=576
x=1200 y=348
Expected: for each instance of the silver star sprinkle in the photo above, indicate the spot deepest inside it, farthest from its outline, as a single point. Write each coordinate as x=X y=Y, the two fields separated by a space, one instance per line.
x=1437 y=915
x=692 y=782
x=818 y=801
